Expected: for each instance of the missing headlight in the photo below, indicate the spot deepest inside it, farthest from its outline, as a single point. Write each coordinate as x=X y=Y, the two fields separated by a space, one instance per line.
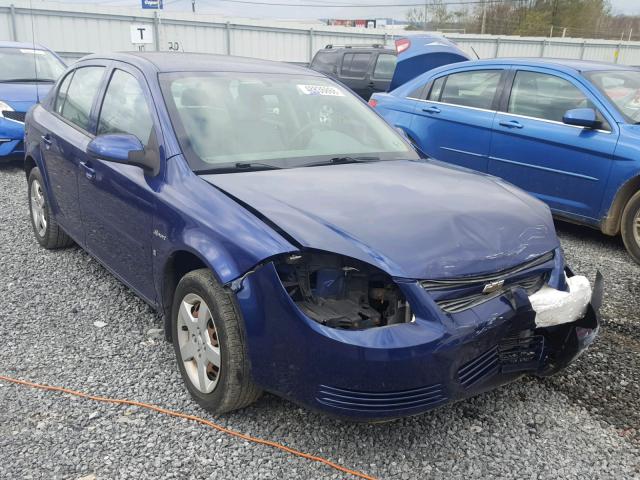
x=342 y=292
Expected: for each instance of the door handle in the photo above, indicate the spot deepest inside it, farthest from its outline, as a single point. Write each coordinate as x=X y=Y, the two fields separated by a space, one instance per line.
x=511 y=124
x=431 y=110
x=89 y=172
x=47 y=140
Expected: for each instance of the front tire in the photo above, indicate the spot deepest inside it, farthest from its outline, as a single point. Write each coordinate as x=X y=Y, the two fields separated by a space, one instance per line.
x=630 y=227
x=45 y=228
x=209 y=343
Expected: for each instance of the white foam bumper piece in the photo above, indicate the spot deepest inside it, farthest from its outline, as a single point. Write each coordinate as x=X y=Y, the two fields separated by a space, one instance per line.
x=555 y=307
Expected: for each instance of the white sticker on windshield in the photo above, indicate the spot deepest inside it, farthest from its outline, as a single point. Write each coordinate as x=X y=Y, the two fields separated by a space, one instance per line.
x=35 y=52
x=320 y=90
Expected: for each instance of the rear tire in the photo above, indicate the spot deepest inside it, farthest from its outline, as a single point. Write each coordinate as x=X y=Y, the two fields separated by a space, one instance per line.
x=630 y=227
x=208 y=339
x=45 y=228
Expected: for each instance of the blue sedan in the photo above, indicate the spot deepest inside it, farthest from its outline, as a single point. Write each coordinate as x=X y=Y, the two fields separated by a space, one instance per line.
x=296 y=243
x=28 y=72
x=564 y=130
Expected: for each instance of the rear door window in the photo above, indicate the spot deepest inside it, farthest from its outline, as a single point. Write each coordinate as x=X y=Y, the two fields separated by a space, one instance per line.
x=385 y=66
x=80 y=96
x=62 y=93
x=355 y=65
x=475 y=88
x=125 y=109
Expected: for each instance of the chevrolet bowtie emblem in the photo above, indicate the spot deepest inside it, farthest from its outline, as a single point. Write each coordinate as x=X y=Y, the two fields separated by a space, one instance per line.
x=492 y=287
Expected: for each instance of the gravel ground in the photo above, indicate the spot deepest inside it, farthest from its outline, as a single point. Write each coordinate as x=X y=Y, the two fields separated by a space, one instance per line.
x=582 y=424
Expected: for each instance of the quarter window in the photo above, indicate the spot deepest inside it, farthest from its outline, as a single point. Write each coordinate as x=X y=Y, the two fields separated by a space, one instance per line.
x=385 y=66
x=80 y=94
x=544 y=96
x=355 y=64
x=436 y=89
x=475 y=88
x=62 y=93
x=124 y=109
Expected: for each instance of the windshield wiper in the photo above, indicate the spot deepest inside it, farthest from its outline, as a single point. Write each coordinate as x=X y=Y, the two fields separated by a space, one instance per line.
x=344 y=160
x=25 y=80
x=239 y=167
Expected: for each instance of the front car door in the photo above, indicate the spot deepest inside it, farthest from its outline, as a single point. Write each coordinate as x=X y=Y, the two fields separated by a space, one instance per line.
x=454 y=120
x=118 y=200
x=66 y=132
x=565 y=166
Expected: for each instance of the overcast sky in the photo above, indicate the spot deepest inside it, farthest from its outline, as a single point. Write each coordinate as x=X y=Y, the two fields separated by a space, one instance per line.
x=322 y=11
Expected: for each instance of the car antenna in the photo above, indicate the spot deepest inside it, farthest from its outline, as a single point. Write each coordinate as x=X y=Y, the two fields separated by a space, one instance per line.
x=474 y=51
x=33 y=42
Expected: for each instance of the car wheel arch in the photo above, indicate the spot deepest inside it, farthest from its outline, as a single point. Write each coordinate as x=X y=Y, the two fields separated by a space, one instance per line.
x=612 y=221
x=29 y=164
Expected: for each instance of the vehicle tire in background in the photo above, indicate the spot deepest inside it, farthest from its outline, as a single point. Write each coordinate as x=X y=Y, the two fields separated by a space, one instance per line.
x=208 y=338
x=630 y=227
x=45 y=228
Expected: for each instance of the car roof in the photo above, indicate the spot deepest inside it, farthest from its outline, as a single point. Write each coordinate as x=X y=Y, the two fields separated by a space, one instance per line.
x=564 y=64
x=31 y=46
x=202 y=62
x=358 y=48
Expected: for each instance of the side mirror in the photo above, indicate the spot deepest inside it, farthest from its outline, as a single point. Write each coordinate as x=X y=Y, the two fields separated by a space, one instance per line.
x=123 y=148
x=582 y=117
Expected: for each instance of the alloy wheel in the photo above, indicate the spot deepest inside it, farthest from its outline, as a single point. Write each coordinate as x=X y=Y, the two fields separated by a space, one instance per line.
x=38 y=208
x=636 y=227
x=198 y=342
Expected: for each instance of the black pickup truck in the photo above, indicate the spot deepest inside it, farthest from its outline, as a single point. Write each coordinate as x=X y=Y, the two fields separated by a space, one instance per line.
x=363 y=68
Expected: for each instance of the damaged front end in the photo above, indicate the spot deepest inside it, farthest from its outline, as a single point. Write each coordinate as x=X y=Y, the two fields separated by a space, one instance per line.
x=342 y=292
x=342 y=336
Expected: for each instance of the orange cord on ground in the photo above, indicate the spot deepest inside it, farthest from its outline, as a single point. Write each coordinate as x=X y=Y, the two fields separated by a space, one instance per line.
x=193 y=418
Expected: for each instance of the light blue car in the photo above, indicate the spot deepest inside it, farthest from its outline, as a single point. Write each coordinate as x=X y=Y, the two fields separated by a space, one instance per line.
x=564 y=130
x=28 y=72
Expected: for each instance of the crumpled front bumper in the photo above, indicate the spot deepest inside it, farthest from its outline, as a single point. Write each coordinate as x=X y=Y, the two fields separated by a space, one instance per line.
x=405 y=369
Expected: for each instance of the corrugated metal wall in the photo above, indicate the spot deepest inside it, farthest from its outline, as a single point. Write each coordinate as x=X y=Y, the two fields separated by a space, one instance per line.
x=78 y=29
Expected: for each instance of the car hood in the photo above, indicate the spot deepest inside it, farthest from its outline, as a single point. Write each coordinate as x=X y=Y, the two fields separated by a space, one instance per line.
x=412 y=219
x=425 y=53
x=21 y=96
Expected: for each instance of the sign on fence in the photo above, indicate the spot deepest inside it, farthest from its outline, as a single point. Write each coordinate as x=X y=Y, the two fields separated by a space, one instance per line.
x=141 y=34
x=152 y=4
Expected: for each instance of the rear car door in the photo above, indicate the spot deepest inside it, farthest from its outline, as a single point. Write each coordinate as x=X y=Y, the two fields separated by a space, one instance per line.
x=117 y=199
x=354 y=72
x=564 y=165
x=455 y=118
x=383 y=68
x=66 y=132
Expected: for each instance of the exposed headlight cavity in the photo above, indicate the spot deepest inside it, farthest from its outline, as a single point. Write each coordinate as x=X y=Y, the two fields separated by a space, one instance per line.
x=342 y=292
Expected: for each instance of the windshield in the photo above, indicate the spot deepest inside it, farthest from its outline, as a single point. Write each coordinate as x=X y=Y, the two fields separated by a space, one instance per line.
x=622 y=87
x=19 y=64
x=279 y=120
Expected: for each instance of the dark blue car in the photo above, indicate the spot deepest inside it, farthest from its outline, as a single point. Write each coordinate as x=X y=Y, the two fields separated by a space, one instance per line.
x=294 y=241
x=27 y=73
x=564 y=130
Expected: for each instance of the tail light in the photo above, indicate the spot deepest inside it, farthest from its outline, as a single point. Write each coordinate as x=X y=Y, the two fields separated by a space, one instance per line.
x=402 y=44
x=373 y=102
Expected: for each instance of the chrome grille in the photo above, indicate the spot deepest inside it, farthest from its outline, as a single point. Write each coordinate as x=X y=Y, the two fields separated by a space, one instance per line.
x=457 y=295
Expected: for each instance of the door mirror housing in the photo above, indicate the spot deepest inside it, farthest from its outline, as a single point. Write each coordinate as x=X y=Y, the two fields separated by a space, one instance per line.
x=582 y=117
x=124 y=148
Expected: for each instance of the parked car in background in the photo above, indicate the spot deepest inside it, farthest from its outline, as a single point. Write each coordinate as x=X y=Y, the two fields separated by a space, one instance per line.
x=27 y=72
x=294 y=241
x=365 y=69
x=567 y=131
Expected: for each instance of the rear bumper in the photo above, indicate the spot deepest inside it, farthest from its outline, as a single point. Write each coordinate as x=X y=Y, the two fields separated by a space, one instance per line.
x=406 y=369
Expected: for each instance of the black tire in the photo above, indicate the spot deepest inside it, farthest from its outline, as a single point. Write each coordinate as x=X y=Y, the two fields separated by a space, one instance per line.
x=51 y=236
x=630 y=227
x=235 y=388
